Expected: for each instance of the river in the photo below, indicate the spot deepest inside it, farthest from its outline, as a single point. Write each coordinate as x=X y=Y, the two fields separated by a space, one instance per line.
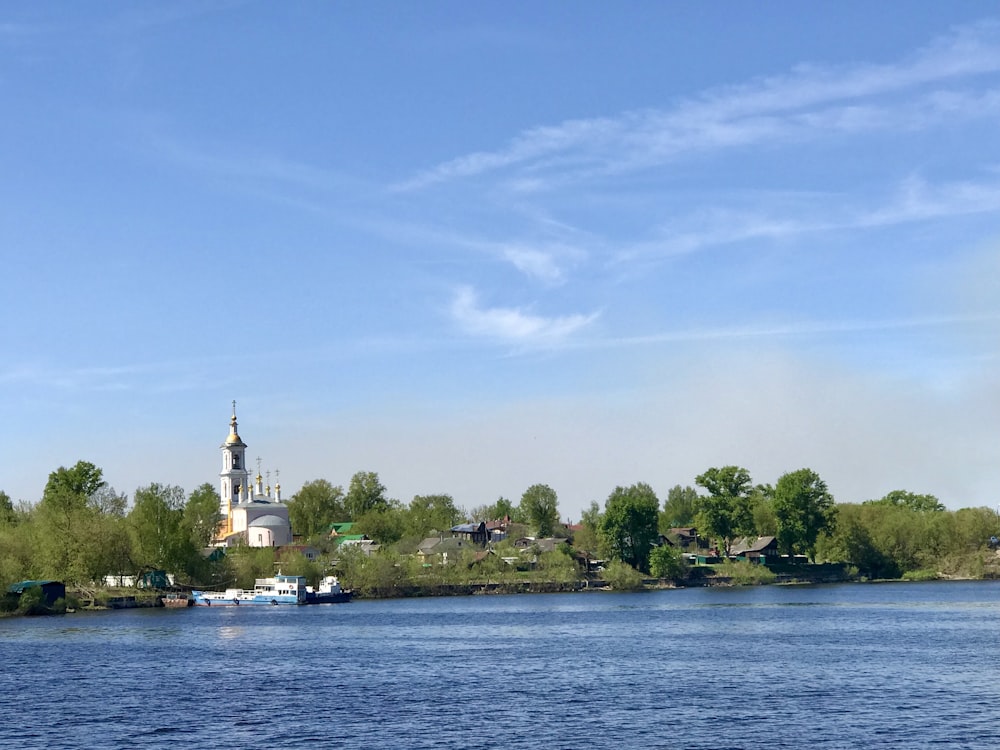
x=842 y=666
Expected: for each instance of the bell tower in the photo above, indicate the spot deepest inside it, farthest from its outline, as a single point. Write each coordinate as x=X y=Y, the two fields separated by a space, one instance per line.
x=234 y=479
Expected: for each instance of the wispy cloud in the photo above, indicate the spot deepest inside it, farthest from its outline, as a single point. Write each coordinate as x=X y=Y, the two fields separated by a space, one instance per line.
x=801 y=328
x=912 y=200
x=808 y=101
x=511 y=323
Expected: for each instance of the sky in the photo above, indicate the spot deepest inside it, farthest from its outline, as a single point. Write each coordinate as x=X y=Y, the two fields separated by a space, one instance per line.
x=477 y=246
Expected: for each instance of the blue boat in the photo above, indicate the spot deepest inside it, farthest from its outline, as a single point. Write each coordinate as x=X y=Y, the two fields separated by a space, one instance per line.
x=266 y=591
x=328 y=592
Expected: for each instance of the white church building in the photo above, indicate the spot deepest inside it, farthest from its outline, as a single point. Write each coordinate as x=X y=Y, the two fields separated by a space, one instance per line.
x=250 y=515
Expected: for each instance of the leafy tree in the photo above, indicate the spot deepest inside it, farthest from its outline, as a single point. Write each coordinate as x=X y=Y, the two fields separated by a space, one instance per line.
x=854 y=543
x=428 y=513
x=107 y=502
x=385 y=524
x=725 y=514
x=761 y=500
x=7 y=514
x=911 y=500
x=667 y=562
x=629 y=524
x=83 y=479
x=313 y=508
x=540 y=504
x=589 y=539
x=201 y=515
x=69 y=545
x=159 y=538
x=502 y=508
x=680 y=508
x=365 y=493
x=803 y=508
x=621 y=576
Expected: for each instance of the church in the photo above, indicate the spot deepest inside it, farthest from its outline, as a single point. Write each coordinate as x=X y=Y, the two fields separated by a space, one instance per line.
x=249 y=513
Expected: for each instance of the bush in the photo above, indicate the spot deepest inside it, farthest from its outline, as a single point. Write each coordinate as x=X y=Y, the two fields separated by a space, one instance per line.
x=745 y=574
x=920 y=575
x=667 y=562
x=622 y=576
x=32 y=601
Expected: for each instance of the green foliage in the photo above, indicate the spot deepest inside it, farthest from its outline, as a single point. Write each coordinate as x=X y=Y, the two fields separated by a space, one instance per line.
x=385 y=524
x=621 y=576
x=679 y=509
x=7 y=515
x=743 y=573
x=803 y=509
x=365 y=493
x=247 y=564
x=629 y=524
x=160 y=540
x=540 y=504
x=31 y=601
x=70 y=530
x=374 y=576
x=725 y=513
x=315 y=507
x=201 y=515
x=667 y=562
x=557 y=566
x=911 y=500
x=427 y=513
x=920 y=575
x=297 y=564
x=765 y=522
x=82 y=480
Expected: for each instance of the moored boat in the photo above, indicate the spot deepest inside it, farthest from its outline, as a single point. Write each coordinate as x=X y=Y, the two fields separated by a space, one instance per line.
x=174 y=599
x=278 y=590
x=329 y=591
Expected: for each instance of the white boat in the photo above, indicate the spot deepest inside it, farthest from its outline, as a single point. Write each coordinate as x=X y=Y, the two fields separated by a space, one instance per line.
x=278 y=590
x=329 y=591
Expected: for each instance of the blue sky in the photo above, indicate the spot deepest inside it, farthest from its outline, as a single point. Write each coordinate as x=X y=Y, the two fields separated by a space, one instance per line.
x=478 y=246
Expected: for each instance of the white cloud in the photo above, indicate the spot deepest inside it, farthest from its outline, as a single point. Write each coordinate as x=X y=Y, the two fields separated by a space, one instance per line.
x=513 y=324
x=810 y=100
x=533 y=262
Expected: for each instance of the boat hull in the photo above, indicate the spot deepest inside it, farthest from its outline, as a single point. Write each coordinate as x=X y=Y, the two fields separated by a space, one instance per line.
x=216 y=599
x=337 y=598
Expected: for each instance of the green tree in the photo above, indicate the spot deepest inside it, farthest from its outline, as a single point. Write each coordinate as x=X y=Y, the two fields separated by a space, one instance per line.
x=803 y=508
x=68 y=542
x=589 y=538
x=202 y=516
x=540 y=504
x=7 y=515
x=81 y=480
x=679 y=508
x=667 y=562
x=385 y=524
x=725 y=513
x=502 y=508
x=159 y=537
x=365 y=493
x=621 y=576
x=911 y=500
x=313 y=508
x=428 y=513
x=629 y=524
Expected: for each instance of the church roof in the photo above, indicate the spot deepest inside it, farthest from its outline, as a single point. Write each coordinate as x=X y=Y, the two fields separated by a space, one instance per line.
x=269 y=522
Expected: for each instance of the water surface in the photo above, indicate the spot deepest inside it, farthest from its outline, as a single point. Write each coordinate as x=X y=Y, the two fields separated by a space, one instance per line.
x=846 y=666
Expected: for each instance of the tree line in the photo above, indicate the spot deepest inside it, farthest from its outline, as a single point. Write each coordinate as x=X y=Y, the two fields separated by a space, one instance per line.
x=83 y=530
